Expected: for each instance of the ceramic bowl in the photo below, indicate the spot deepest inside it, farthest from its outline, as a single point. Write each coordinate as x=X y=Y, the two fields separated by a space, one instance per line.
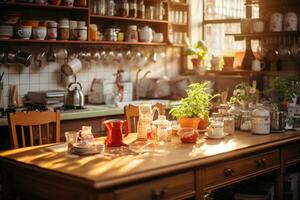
x=6 y=31
x=9 y=18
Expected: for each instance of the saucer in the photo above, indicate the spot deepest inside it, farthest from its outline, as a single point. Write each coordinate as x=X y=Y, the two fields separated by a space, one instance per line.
x=216 y=137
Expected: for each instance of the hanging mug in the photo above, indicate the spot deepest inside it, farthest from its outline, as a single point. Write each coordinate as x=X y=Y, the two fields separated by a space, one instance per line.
x=276 y=22
x=290 y=21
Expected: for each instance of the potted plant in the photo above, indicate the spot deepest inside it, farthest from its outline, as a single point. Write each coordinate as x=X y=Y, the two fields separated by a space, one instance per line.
x=282 y=92
x=193 y=110
x=198 y=51
x=243 y=95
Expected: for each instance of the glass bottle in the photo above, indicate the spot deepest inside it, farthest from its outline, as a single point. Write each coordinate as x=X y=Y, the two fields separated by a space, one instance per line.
x=246 y=120
x=110 y=11
x=141 y=10
x=249 y=56
x=101 y=7
x=132 y=9
x=235 y=111
x=123 y=9
x=159 y=11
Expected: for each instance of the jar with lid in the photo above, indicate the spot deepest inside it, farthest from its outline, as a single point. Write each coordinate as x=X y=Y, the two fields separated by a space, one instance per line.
x=63 y=32
x=111 y=33
x=131 y=33
x=132 y=8
x=82 y=33
x=260 y=121
x=161 y=130
x=246 y=120
x=123 y=8
x=141 y=10
x=229 y=125
x=110 y=8
x=235 y=111
x=80 y=3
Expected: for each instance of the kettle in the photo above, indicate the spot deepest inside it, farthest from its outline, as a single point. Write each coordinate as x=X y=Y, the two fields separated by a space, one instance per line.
x=145 y=34
x=75 y=97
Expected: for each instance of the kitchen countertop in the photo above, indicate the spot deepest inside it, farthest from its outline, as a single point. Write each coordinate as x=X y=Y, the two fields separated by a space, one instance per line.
x=91 y=111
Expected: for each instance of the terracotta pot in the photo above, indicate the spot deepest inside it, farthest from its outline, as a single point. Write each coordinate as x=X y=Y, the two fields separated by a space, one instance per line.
x=189 y=122
x=196 y=62
x=203 y=124
x=228 y=62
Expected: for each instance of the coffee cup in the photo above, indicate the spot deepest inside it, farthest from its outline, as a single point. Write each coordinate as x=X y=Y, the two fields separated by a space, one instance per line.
x=39 y=33
x=24 y=32
x=257 y=65
x=72 y=67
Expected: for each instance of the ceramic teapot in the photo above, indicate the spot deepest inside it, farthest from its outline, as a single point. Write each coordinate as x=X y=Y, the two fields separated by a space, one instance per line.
x=145 y=34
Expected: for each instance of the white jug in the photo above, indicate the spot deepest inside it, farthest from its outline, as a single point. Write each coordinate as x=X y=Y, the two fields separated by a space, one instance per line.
x=145 y=34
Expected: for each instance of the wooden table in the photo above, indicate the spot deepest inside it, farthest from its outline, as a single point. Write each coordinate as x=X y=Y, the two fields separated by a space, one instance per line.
x=173 y=171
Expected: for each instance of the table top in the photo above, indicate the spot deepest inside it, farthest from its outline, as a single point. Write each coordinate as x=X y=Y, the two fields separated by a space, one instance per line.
x=105 y=171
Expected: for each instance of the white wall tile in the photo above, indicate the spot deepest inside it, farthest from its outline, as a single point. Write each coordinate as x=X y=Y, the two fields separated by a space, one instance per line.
x=24 y=89
x=43 y=87
x=34 y=78
x=34 y=87
x=14 y=79
x=14 y=69
x=5 y=79
x=3 y=68
x=53 y=77
x=5 y=91
x=44 y=78
x=24 y=78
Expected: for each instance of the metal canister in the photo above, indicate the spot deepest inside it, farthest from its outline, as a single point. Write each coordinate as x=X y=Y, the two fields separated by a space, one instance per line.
x=277 y=121
x=260 y=121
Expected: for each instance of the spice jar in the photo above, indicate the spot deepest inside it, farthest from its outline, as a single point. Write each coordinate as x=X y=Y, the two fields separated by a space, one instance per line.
x=132 y=34
x=82 y=33
x=141 y=10
x=260 y=121
x=52 y=30
x=63 y=32
x=73 y=30
x=246 y=120
x=132 y=8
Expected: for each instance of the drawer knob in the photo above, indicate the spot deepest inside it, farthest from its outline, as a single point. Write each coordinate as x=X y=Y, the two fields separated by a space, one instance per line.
x=157 y=195
x=228 y=172
x=261 y=163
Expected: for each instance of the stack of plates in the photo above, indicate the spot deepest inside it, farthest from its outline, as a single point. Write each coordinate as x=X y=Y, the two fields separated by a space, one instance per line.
x=87 y=149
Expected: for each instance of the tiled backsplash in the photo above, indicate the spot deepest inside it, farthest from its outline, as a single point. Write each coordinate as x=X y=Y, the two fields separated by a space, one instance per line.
x=49 y=77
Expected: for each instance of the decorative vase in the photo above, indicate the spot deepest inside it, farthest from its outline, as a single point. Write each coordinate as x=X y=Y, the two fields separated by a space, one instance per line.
x=189 y=122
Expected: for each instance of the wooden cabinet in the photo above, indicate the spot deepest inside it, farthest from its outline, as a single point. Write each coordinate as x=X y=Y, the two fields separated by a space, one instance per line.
x=291 y=154
x=180 y=186
x=224 y=173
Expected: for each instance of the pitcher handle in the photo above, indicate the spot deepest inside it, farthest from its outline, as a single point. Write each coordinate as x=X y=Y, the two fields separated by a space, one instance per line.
x=126 y=128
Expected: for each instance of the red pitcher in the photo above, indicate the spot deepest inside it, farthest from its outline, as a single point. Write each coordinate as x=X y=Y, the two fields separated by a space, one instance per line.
x=114 y=132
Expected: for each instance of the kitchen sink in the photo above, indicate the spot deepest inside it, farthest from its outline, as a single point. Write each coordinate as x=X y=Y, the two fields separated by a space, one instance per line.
x=137 y=102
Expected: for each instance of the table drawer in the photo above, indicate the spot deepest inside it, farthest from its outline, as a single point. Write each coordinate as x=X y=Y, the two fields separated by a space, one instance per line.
x=291 y=153
x=174 y=187
x=226 y=172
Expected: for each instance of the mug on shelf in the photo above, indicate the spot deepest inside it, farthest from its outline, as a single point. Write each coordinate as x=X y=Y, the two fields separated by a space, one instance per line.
x=39 y=33
x=290 y=21
x=24 y=32
x=72 y=67
x=276 y=22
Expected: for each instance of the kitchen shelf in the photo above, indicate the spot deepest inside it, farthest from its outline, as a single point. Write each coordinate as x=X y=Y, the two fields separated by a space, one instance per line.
x=42 y=6
x=128 y=19
x=179 y=4
x=81 y=42
x=235 y=72
x=221 y=21
x=178 y=24
x=256 y=36
x=178 y=45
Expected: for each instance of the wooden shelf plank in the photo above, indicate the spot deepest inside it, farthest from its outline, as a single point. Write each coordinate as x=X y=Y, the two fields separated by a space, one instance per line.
x=80 y=42
x=240 y=36
x=41 y=6
x=178 y=24
x=172 y=3
x=221 y=21
x=128 y=19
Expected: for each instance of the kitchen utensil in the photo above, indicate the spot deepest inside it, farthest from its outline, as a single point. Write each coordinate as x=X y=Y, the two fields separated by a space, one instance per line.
x=75 y=96
x=11 y=56
x=154 y=87
x=1 y=76
x=72 y=67
x=40 y=58
x=13 y=96
x=24 y=58
x=114 y=132
x=51 y=56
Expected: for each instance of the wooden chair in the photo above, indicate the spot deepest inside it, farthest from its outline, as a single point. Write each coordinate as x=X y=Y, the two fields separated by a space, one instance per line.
x=132 y=115
x=45 y=121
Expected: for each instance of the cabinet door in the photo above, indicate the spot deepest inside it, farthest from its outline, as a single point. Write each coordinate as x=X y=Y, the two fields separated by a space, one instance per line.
x=180 y=186
x=291 y=154
x=225 y=173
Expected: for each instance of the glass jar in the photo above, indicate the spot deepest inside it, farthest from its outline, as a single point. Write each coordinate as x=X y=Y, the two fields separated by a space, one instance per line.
x=161 y=130
x=123 y=9
x=141 y=10
x=82 y=33
x=63 y=33
x=132 y=8
x=229 y=125
x=245 y=120
x=132 y=34
x=159 y=11
x=101 y=7
x=110 y=8
x=235 y=111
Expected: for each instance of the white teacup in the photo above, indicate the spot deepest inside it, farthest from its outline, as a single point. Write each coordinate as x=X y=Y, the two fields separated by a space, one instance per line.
x=257 y=65
x=72 y=67
x=24 y=32
x=39 y=33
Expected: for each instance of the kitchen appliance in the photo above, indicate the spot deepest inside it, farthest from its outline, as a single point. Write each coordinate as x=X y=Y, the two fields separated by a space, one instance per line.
x=101 y=88
x=115 y=132
x=53 y=98
x=74 y=97
x=294 y=117
x=154 y=87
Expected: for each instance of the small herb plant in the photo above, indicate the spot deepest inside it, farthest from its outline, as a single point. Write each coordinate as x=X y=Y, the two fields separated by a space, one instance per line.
x=281 y=90
x=243 y=94
x=199 y=49
x=196 y=104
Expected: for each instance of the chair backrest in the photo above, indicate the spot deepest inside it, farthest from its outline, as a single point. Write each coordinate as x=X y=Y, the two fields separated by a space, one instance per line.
x=132 y=115
x=36 y=122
